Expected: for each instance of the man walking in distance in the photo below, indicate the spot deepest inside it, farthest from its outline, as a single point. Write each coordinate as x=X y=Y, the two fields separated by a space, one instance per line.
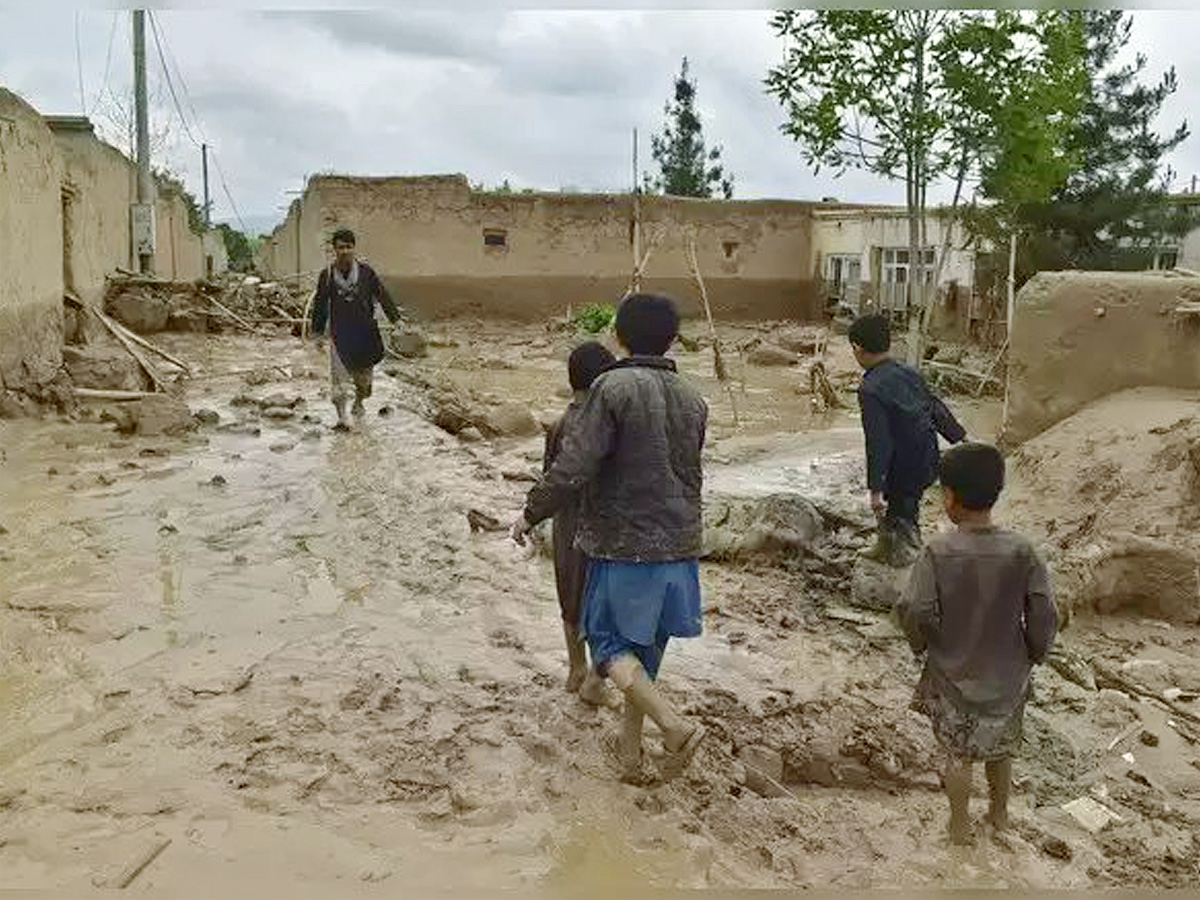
x=347 y=292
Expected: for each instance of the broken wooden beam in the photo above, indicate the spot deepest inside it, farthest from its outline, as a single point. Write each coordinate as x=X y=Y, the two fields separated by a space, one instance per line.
x=115 y=396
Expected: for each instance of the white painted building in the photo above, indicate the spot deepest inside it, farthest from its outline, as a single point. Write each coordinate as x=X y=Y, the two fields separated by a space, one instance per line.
x=862 y=255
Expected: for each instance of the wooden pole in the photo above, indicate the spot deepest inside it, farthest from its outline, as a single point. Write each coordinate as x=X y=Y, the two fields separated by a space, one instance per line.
x=636 y=281
x=718 y=362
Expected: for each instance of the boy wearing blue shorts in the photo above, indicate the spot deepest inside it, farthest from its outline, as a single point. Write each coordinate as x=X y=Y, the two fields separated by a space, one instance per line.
x=634 y=463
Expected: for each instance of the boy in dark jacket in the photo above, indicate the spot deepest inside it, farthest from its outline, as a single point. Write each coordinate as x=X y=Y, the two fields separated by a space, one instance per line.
x=635 y=460
x=586 y=363
x=980 y=605
x=902 y=419
x=345 y=301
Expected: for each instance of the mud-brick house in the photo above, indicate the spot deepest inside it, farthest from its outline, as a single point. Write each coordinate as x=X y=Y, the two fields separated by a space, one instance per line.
x=446 y=249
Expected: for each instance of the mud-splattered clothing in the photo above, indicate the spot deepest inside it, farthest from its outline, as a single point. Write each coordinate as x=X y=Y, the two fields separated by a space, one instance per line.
x=633 y=462
x=347 y=307
x=980 y=605
x=570 y=563
x=901 y=420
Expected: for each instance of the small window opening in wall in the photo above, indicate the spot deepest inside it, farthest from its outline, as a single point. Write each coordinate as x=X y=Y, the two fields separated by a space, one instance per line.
x=730 y=248
x=495 y=237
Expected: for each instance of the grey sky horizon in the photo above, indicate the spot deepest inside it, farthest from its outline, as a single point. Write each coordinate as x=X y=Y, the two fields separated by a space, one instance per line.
x=545 y=99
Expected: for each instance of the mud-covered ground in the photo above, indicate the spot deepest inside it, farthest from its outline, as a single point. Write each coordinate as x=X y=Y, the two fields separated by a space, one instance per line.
x=268 y=654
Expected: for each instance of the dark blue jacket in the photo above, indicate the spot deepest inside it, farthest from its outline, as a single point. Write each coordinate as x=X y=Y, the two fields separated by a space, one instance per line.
x=352 y=322
x=901 y=420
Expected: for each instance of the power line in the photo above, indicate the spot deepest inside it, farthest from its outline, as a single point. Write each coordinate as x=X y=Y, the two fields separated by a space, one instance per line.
x=225 y=187
x=170 y=84
x=79 y=67
x=112 y=33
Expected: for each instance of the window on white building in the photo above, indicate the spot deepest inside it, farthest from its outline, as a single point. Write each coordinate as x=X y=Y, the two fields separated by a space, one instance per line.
x=895 y=265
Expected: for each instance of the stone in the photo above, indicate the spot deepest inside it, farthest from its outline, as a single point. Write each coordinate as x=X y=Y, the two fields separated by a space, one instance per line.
x=161 y=414
x=410 y=343
x=122 y=416
x=218 y=481
x=770 y=355
x=1148 y=738
x=14 y=405
x=208 y=417
x=470 y=435
x=189 y=321
x=103 y=368
x=511 y=420
x=744 y=526
x=764 y=770
x=313 y=434
x=876 y=586
x=279 y=412
x=277 y=400
x=1091 y=815
x=1057 y=848
x=140 y=312
x=796 y=341
x=244 y=428
x=282 y=446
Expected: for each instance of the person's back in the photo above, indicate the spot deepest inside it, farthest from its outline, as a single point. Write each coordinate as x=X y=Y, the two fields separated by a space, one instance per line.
x=645 y=501
x=984 y=577
x=911 y=409
x=980 y=606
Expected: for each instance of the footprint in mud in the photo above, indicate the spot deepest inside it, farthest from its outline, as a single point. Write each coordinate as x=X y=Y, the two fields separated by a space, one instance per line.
x=506 y=640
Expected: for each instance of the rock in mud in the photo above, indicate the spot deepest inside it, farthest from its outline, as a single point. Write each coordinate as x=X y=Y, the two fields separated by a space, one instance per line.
x=144 y=314
x=188 y=321
x=796 y=341
x=208 y=417
x=764 y=770
x=103 y=368
x=123 y=416
x=470 y=435
x=14 y=405
x=511 y=420
x=744 y=526
x=770 y=355
x=163 y=415
x=282 y=446
x=410 y=343
x=1128 y=572
x=876 y=586
x=280 y=401
x=279 y=412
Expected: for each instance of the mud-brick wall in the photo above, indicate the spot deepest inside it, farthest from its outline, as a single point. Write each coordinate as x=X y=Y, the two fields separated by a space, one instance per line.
x=31 y=259
x=100 y=185
x=178 y=251
x=426 y=237
x=1080 y=336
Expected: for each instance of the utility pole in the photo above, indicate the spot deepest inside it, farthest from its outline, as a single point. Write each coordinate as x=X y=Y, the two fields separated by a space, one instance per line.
x=143 y=211
x=207 y=202
x=637 y=221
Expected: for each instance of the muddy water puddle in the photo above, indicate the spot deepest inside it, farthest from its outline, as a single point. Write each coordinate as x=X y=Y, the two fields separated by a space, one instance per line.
x=283 y=650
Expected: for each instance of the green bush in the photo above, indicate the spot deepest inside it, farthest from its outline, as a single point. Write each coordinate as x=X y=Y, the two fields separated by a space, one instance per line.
x=596 y=318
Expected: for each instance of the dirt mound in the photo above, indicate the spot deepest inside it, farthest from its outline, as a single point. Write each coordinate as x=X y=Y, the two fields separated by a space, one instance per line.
x=1112 y=494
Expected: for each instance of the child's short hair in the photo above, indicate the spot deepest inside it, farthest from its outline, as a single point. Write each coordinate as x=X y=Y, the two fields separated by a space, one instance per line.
x=975 y=472
x=587 y=363
x=647 y=324
x=343 y=236
x=873 y=333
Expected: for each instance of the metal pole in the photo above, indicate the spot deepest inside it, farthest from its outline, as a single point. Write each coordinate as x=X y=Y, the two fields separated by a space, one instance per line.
x=1012 y=281
x=207 y=202
x=145 y=186
x=637 y=220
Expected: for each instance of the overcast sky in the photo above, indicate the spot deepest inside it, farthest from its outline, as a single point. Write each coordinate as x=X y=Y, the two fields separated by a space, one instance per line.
x=544 y=99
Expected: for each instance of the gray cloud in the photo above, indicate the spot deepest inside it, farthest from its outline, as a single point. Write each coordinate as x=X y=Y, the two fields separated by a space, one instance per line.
x=543 y=98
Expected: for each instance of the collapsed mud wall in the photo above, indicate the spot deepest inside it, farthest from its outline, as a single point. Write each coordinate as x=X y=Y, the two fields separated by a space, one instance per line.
x=31 y=257
x=1080 y=336
x=448 y=250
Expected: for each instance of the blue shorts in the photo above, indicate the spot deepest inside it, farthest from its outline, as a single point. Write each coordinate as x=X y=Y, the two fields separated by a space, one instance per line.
x=631 y=607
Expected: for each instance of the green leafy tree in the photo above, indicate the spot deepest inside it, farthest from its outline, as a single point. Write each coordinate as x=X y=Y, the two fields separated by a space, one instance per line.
x=238 y=248
x=1111 y=209
x=686 y=167
x=171 y=185
x=922 y=95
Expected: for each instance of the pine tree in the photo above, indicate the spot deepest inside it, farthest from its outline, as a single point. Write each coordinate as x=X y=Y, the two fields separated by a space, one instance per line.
x=1111 y=210
x=686 y=167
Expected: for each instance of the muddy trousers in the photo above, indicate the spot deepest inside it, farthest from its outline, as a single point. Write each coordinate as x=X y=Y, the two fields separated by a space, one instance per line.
x=346 y=385
x=904 y=511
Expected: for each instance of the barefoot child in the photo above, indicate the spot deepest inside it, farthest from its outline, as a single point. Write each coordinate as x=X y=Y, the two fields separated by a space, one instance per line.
x=635 y=460
x=979 y=603
x=901 y=420
x=586 y=363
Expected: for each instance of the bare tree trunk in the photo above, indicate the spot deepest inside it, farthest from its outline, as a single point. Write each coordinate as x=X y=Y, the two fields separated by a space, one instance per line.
x=917 y=177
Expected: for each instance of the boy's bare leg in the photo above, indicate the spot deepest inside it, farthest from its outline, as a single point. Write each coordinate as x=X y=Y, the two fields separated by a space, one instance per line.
x=999 y=778
x=958 y=791
x=679 y=737
x=576 y=657
x=592 y=690
x=629 y=743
